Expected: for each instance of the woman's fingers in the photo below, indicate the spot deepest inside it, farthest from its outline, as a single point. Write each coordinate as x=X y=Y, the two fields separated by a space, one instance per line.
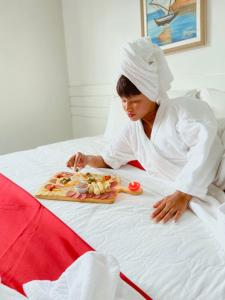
x=70 y=162
x=155 y=205
x=178 y=215
x=169 y=216
x=77 y=161
x=80 y=160
x=161 y=215
x=159 y=209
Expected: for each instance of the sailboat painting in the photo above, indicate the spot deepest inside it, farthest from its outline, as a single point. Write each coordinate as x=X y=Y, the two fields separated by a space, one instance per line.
x=174 y=24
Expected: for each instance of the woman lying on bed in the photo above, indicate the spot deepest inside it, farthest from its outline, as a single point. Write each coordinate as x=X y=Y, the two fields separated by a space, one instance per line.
x=175 y=139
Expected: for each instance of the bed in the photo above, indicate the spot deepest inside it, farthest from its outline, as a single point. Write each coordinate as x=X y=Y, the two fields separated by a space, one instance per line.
x=173 y=261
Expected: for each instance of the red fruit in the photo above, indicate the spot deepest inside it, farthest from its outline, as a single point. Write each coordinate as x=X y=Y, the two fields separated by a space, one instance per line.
x=134 y=186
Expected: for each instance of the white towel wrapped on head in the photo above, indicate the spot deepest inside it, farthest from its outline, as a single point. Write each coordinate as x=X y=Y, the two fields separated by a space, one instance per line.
x=145 y=66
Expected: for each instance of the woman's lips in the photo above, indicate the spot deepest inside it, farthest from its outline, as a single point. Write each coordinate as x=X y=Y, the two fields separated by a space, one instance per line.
x=130 y=115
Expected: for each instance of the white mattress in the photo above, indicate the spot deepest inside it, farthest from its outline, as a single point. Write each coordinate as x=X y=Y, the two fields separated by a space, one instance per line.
x=169 y=261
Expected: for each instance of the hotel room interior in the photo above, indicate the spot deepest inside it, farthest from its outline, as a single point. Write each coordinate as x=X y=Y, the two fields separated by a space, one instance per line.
x=59 y=60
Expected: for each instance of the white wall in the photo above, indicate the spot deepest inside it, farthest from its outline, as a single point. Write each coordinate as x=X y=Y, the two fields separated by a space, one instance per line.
x=34 y=103
x=94 y=33
x=205 y=65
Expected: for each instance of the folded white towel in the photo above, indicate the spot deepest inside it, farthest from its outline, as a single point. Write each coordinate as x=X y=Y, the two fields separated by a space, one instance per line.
x=145 y=66
x=93 y=276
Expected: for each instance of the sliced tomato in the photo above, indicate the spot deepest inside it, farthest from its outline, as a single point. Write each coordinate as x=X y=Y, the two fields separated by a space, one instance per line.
x=134 y=186
x=107 y=177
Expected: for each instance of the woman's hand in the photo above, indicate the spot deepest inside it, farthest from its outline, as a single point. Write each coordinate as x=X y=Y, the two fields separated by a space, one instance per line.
x=171 y=207
x=78 y=160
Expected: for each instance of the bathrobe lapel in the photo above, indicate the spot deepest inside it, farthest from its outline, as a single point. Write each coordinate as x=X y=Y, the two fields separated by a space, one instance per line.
x=151 y=158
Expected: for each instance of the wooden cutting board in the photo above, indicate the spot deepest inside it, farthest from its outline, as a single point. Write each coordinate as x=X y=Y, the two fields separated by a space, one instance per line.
x=67 y=186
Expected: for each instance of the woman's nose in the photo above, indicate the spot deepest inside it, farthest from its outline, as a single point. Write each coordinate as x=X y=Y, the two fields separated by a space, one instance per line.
x=126 y=106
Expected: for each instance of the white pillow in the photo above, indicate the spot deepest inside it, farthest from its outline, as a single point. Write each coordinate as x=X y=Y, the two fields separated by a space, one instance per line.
x=216 y=99
x=117 y=119
x=180 y=93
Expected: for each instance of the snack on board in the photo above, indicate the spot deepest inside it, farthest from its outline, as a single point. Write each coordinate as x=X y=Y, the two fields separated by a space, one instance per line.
x=85 y=187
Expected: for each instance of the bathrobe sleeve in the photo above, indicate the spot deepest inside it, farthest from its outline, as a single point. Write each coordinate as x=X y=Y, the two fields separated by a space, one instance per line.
x=119 y=152
x=197 y=128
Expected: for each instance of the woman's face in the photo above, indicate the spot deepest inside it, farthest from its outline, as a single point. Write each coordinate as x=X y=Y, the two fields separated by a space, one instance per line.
x=138 y=107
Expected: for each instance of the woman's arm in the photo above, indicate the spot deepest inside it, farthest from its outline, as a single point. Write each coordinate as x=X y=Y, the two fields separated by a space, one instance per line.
x=198 y=129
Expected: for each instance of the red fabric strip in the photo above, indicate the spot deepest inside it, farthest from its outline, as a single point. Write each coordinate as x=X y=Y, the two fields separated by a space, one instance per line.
x=34 y=243
x=136 y=164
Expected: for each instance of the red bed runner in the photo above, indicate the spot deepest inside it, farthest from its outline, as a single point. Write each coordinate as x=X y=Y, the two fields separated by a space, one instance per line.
x=34 y=243
x=136 y=164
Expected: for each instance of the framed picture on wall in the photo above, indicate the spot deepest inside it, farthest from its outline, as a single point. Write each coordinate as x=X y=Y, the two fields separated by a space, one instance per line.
x=174 y=24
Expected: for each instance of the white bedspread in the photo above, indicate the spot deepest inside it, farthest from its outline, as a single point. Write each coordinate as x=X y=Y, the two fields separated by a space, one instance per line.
x=180 y=261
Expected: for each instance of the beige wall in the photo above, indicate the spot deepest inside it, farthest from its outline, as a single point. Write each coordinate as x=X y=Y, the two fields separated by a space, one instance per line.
x=94 y=33
x=34 y=106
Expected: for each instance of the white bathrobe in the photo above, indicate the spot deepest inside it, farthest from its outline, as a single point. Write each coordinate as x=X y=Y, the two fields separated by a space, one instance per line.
x=184 y=146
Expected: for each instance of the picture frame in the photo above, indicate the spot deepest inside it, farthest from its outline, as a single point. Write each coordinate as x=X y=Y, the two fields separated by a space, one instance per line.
x=174 y=25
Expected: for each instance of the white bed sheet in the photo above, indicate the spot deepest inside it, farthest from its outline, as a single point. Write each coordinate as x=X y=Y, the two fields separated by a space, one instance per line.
x=180 y=261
